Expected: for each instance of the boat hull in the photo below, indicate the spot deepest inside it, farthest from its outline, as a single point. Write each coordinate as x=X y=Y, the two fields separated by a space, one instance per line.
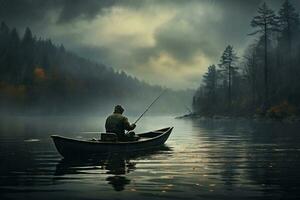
x=69 y=147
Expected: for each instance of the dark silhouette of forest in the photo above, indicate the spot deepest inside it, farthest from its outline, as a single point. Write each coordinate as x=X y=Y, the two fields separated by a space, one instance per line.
x=265 y=80
x=37 y=76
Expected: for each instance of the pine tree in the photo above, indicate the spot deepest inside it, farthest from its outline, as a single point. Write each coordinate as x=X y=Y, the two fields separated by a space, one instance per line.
x=210 y=82
x=27 y=44
x=251 y=70
x=266 y=23
x=4 y=38
x=4 y=29
x=289 y=23
x=227 y=66
x=13 y=55
x=28 y=38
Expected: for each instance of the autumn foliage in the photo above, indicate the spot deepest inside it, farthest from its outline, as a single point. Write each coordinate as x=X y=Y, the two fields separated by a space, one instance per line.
x=15 y=91
x=281 y=110
x=39 y=73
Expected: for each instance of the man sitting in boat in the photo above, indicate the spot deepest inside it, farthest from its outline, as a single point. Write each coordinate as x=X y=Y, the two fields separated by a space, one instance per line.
x=118 y=124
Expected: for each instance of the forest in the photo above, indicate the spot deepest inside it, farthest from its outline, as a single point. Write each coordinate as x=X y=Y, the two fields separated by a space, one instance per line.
x=264 y=81
x=40 y=77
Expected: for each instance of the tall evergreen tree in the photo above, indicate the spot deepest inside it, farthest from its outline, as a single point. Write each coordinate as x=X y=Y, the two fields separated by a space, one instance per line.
x=289 y=23
x=251 y=70
x=4 y=35
x=227 y=66
x=28 y=38
x=4 y=47
x=266 y=23
x=27 y=44
x=13 y=56
x=210 y=81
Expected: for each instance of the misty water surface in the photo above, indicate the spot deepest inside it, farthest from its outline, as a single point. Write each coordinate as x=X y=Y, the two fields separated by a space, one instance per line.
x=202 y=159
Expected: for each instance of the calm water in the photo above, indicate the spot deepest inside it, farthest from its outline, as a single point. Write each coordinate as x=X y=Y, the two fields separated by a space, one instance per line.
x=201 y=160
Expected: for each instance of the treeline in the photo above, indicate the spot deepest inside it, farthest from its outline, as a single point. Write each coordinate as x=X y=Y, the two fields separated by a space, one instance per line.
x=265 y=80
x=37 y=76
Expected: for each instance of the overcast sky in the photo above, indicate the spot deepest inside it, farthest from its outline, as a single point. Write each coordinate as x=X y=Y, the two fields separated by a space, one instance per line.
x=166 y=42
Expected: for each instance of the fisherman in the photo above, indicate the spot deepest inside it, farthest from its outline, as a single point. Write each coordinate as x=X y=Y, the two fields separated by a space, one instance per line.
x=118 y=124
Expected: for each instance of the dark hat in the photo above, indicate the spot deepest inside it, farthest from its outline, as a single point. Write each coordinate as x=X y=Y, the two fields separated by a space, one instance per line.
x=119 y=109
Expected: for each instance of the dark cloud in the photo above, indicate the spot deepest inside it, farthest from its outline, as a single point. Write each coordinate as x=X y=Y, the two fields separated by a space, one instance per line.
x=75 y=9
x=24 y=11
x=35 y=10
x=181 y=43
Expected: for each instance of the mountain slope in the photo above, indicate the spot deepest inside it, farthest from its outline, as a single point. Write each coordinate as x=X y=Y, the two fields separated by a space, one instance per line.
x=37 y=76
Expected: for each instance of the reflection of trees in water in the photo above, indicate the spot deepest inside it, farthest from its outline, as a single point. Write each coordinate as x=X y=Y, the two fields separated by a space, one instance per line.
x=116 y=165
x=19 y=165
x=274 y=160
x=264 y=153
x=223 y=152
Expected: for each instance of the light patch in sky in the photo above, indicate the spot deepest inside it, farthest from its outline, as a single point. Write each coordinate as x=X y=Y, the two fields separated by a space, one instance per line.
x=171 y=38
x=116 y=25
x=168 y=71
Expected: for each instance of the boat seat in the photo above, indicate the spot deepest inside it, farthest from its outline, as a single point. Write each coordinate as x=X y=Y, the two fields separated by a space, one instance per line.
x=109 y=137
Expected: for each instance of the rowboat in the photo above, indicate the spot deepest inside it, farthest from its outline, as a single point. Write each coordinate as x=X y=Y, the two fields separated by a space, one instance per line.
x=69 y=147
x=115 y=164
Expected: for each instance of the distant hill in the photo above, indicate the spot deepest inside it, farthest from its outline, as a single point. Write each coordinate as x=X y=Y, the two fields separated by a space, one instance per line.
x=37 y=76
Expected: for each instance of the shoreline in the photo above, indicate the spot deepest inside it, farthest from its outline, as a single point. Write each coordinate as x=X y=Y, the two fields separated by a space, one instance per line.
x=194 y=116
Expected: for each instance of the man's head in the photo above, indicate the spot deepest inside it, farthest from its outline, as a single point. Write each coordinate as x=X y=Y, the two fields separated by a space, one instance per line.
x=119 y=109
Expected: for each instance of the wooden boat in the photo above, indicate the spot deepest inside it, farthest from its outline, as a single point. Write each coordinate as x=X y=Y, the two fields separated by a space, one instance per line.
x=69 y=147
x=115 y=163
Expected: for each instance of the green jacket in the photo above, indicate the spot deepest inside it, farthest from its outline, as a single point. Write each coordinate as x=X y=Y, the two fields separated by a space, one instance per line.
x=117 y=123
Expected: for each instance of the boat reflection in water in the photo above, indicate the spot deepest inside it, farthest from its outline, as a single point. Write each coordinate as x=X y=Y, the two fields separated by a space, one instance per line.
x=116 y=166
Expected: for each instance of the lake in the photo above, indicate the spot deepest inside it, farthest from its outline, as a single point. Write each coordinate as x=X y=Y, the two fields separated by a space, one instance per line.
x=203 y=159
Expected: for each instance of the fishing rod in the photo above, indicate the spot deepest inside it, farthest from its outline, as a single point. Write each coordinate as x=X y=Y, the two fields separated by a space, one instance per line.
x=149 y=106
x=190 y=111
